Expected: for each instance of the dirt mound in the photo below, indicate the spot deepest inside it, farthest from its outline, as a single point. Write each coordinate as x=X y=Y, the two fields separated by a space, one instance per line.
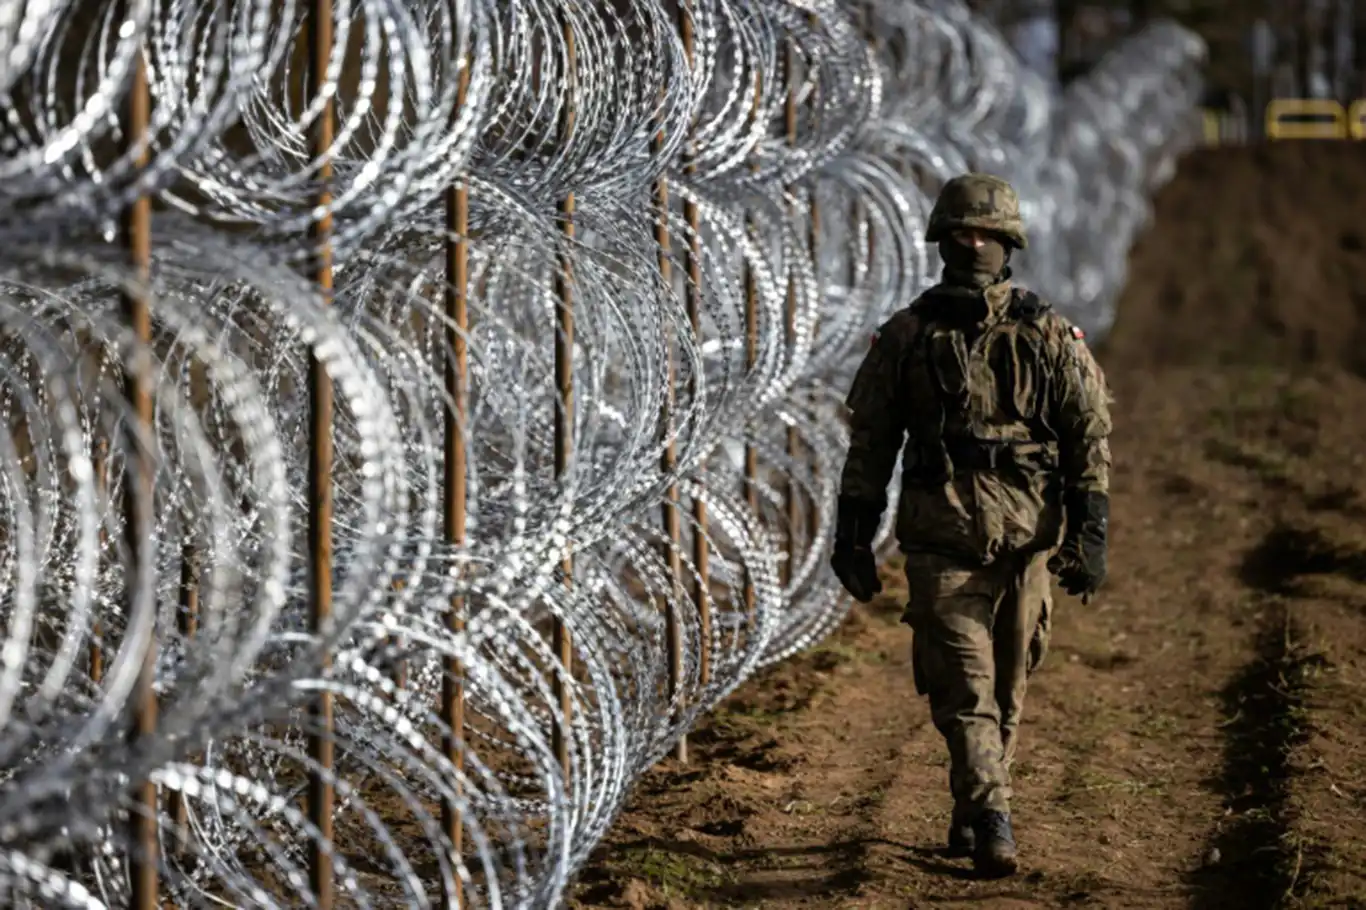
x=1196 y=737
x=1258 y=255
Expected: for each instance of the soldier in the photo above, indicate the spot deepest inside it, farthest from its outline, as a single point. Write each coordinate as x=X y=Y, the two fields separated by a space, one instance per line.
x=1002 y=420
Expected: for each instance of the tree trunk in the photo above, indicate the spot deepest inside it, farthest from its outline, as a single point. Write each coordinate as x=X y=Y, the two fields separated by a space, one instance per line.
x=1140 y=13
x=1067 y=37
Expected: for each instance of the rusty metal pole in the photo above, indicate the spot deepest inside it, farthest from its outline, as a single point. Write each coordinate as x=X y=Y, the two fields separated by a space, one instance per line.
x=692 y=263
x=454 y=501
x=561 y=643
x=751 y=479
x=1066 y=12
x=812 y=513
x=668 y=465
x=398 y=671
x=144 y=880
x=401 y=669
x=321 y=794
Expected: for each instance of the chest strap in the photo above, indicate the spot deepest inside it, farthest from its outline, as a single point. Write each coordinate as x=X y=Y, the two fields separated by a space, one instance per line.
x=985 y=455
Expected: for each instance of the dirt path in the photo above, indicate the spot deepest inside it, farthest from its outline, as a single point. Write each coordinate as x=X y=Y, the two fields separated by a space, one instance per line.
x=1196 y=738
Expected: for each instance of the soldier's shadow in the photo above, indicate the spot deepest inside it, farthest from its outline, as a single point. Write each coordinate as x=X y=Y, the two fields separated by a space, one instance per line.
x=936 y=861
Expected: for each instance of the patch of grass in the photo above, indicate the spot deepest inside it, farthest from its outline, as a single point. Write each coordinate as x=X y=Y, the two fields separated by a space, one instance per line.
x=1099 y=782
x=1096 y=721
x=835 y=654
x=1271 y=465
x=675 y=874
x=1154 y=724
x=1267 y=721
x=872 y=797
x=832 y=654
x=802 y=807
x=1258 y=394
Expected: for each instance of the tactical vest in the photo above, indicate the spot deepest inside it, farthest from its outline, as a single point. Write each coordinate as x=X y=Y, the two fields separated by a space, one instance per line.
x=942 y=380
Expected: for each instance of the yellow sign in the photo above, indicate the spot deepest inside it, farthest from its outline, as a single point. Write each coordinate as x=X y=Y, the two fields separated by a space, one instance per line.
x=1211 y=126
x=1356 y=118
x=1306 y=118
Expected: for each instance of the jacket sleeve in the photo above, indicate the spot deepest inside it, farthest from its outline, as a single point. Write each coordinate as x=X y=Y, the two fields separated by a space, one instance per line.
x=876 y=418
x=1081 y=411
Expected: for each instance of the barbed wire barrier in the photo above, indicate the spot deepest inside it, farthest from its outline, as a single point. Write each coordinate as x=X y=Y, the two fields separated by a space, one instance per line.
x=471 y=421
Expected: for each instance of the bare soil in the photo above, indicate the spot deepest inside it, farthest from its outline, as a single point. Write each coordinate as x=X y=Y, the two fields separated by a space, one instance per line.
x=1197 y=737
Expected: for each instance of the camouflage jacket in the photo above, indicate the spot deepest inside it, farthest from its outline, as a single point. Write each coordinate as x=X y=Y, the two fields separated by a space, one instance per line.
x=995 y=405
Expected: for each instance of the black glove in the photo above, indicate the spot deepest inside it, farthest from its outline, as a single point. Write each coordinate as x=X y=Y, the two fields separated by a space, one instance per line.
x=853 y=561
x=1080 y=561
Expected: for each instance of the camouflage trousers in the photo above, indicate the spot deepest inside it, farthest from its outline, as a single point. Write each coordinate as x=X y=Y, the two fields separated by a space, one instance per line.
x=979 y=632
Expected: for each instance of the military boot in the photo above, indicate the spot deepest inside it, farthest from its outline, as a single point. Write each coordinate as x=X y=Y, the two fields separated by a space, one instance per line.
x=962 y=840
x=994 y=848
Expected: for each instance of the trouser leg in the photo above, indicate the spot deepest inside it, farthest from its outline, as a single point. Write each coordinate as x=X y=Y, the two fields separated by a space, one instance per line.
x=953 y=615
x=1017 y=646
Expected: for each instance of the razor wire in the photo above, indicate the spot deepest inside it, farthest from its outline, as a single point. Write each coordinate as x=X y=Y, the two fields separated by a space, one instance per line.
x=801 y=144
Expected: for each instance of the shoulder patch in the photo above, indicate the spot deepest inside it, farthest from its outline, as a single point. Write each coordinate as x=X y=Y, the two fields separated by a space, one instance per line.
x=872 y=341
x=1078 y=333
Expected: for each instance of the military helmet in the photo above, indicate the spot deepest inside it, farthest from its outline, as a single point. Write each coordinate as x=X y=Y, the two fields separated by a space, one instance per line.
x=977 y=201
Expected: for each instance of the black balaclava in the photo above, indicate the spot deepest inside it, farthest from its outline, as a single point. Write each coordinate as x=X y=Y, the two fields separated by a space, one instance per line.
x=974 y=267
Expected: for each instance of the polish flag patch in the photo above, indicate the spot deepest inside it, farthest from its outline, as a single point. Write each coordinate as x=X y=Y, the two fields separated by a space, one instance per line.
x=1078 y=333
x=872 y=342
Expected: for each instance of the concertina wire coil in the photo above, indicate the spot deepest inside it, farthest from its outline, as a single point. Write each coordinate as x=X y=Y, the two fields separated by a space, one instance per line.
x=801 y=143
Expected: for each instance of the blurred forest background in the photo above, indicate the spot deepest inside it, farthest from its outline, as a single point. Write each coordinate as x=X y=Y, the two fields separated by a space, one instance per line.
x=1259 y=49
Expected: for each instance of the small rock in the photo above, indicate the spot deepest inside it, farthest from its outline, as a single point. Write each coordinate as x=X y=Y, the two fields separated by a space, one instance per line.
x=1212 y=858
